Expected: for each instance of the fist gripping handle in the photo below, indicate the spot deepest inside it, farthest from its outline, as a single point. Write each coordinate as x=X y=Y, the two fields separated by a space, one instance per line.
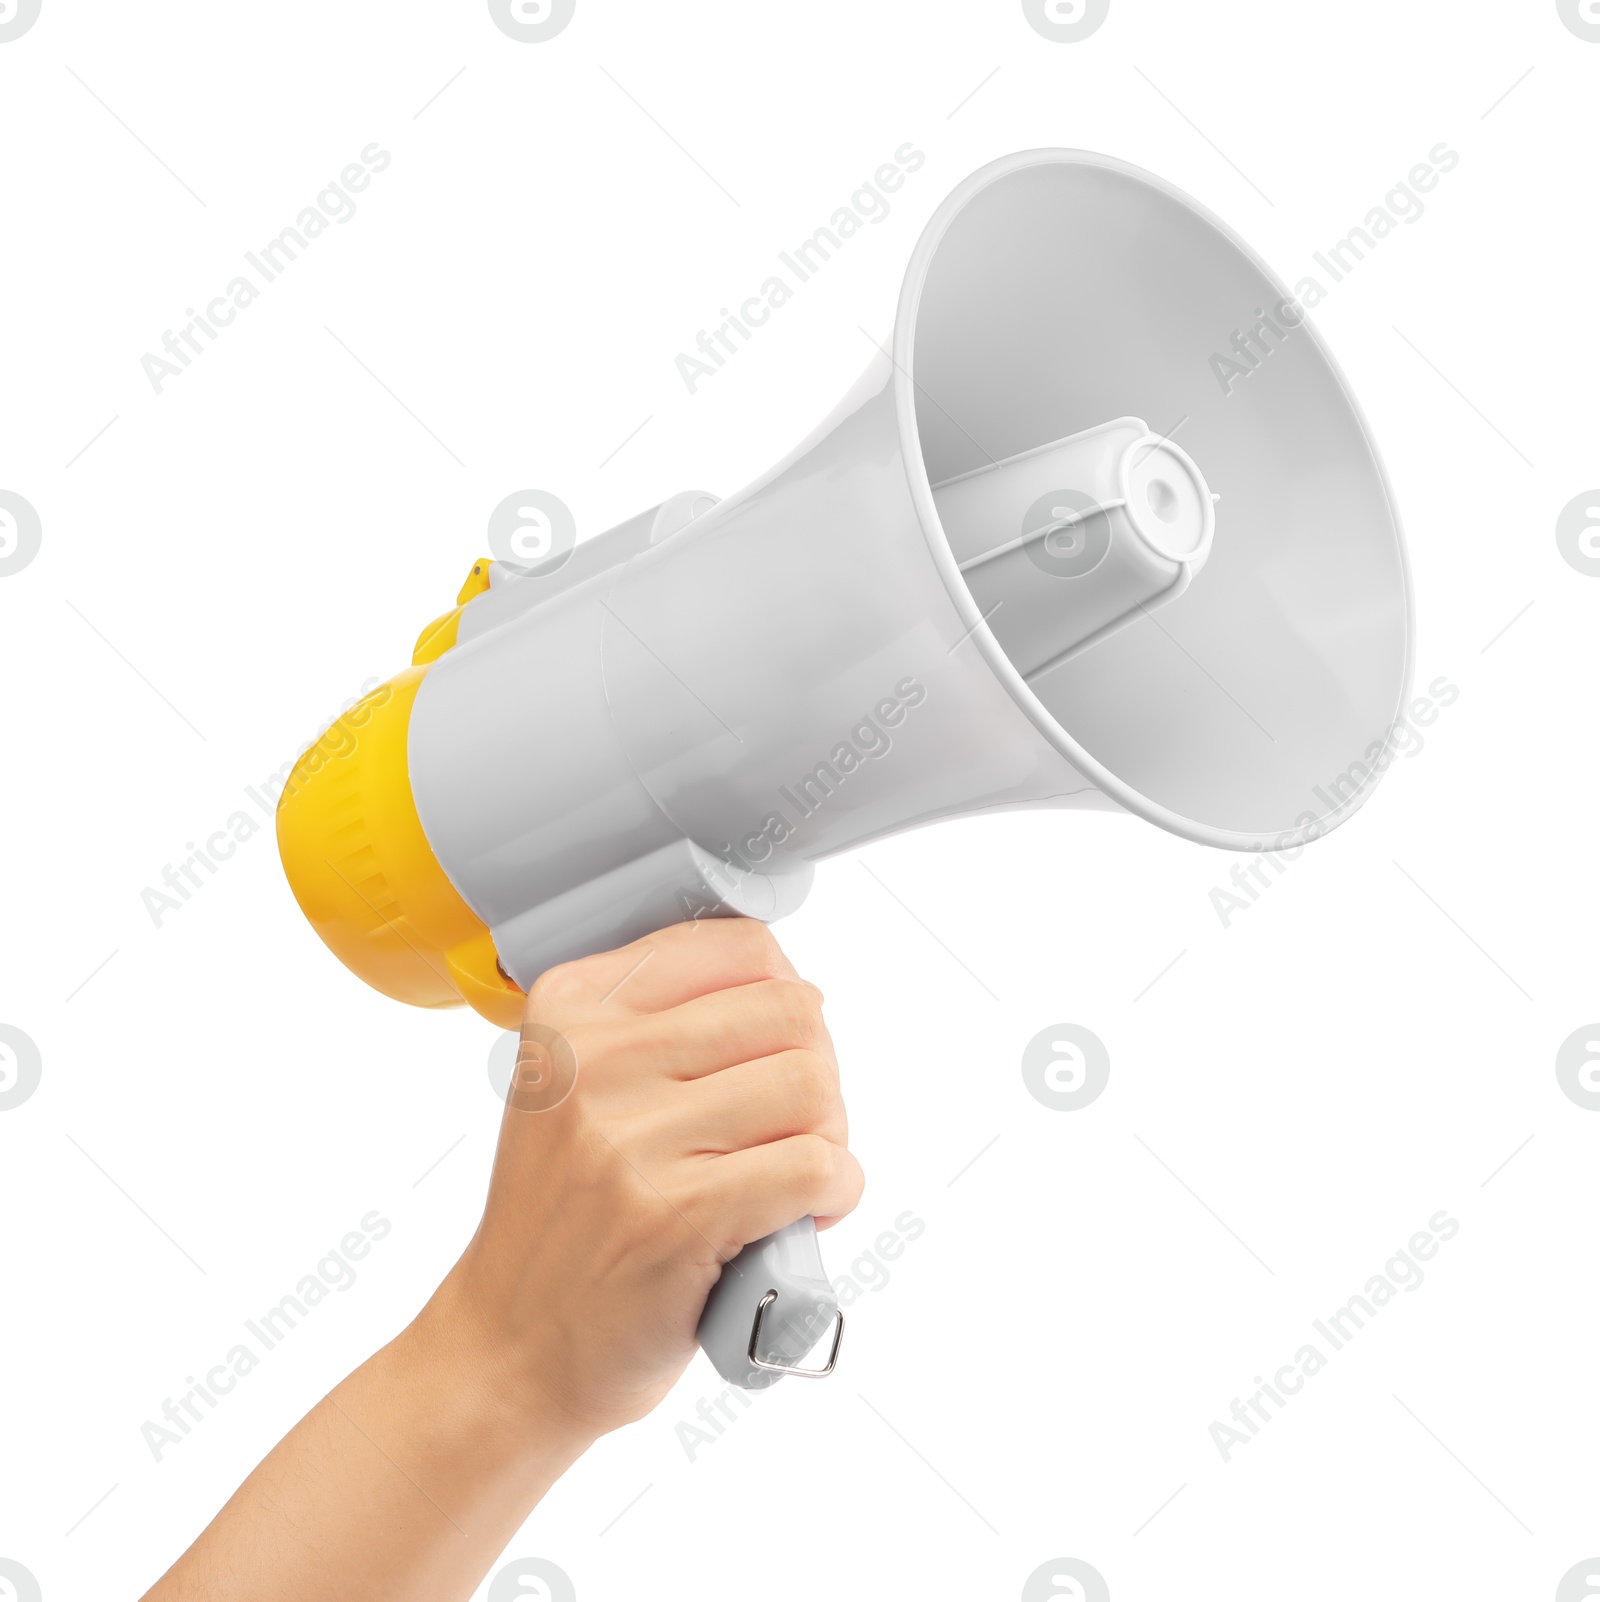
x=772 y=1304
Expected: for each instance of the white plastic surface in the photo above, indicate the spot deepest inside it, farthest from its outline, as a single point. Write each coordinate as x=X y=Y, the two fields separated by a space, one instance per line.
x=779 y=680
x=1065 y=544
x=790 y=1263
x=1055 y=289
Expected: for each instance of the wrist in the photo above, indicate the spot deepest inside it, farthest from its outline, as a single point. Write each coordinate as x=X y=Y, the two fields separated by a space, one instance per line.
x=453 y=1342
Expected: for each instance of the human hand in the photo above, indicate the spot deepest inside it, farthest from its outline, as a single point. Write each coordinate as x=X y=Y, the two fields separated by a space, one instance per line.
x=673 y=1101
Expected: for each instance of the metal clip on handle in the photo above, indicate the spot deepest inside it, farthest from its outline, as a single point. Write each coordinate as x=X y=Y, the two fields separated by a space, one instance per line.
x=774 y=1296
x=793 y=1368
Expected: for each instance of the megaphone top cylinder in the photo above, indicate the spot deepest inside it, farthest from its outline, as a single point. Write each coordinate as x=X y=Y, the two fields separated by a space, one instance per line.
x=1056 y=289
x=1117 y=509
x=1168 y=502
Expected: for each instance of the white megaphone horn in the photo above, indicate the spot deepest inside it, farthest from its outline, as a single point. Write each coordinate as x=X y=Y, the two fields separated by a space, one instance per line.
x=1037 y=557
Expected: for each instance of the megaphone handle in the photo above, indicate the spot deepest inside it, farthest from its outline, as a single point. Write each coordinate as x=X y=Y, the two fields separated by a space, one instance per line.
x=769 y=1308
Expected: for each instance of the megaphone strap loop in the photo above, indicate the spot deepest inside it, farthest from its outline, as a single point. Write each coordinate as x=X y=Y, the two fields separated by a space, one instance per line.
x=792 y=1368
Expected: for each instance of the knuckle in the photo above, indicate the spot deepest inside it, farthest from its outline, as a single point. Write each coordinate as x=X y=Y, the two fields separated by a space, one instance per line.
x=752 y=944
x=811 y=1089
x=755 y=940
x=799 y=1009
x=813 y=1160
x=555 y=987
x=673 y=935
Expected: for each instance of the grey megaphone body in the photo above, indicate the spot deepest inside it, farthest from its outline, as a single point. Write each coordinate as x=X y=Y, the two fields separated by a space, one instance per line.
x=1037 y=557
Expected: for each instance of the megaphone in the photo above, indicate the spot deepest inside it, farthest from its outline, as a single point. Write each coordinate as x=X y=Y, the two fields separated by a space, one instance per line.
x=1039 y=556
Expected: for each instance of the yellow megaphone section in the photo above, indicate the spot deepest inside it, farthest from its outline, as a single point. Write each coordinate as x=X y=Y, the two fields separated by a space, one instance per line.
x=360 y=864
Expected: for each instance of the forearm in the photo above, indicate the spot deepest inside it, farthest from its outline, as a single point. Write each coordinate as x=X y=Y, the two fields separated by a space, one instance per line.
x=405 y=1482
x=707 y=1115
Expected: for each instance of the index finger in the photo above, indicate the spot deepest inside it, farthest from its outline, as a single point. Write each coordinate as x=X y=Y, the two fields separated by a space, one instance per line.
x=686 y=961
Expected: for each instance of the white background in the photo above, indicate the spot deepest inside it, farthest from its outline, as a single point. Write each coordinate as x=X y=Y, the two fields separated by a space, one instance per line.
x=1289 y=1102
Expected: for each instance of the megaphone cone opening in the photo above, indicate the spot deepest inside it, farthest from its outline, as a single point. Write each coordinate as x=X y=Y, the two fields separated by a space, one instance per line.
x=1257 y=706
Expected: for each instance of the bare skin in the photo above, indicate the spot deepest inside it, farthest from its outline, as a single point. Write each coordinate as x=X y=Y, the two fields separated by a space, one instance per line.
x=704 y=1113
